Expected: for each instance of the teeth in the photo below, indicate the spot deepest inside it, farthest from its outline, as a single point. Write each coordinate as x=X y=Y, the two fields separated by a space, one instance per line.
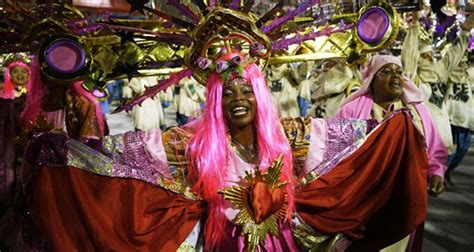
x=395 y=84
x=240 y=113
x=239 y=110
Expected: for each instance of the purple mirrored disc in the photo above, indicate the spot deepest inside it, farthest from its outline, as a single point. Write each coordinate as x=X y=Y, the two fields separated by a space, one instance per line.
x=65 y=56
x=372 y=25
x=99 y=93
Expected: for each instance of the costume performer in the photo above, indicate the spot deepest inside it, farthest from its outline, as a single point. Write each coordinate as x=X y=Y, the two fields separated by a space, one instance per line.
x=236 y=178
x=431 y=76
x=43 y=108
x=385 y=90
x=460 y=106
x=179 y=176
x=188 y=100
x=150 y=114
x=284 y=92
x=12 y=93
x=334 y=84
x=203 y=179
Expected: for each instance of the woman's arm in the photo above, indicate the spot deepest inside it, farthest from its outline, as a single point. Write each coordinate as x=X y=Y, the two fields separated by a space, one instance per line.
x=437 y=152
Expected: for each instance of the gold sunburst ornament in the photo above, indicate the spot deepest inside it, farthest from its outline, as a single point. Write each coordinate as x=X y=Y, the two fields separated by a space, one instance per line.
x=261 y=201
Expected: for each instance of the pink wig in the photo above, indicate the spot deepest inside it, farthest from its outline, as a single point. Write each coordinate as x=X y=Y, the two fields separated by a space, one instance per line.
x=35 y=95
x=79 y=90
x=209 y=147
x=9 y=87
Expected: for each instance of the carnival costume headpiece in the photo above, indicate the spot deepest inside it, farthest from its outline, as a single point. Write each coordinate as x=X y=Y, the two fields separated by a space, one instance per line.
x=71 y=46
x=221 y=29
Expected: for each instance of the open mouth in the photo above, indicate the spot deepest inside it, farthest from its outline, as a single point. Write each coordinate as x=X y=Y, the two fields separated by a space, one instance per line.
x=396 y=83
x=239 y=111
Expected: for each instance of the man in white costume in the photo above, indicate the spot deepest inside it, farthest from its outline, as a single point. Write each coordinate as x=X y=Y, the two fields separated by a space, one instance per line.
x=150 y=114
x=189 y=100
x=300 y=75
x=431 y=75
x=460 y=106
x=334 y=84
x=284 y=94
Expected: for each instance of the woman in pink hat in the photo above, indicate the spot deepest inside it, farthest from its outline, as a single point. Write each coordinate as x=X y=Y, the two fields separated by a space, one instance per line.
x=385 y=90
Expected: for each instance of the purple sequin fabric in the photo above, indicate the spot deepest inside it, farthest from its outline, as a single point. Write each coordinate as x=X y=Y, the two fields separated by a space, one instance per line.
x=47 y=149
x=136 y=163
x=343 y=138
x=123 y=156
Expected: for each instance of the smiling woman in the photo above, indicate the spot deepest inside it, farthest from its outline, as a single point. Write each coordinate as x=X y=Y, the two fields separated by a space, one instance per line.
x=16 y=80
x=20 y=75
x=238 y=102
x=238 y=178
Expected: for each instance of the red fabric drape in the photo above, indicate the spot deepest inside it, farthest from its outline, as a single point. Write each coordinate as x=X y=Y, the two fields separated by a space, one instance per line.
x=78 y=211
x=377 y=195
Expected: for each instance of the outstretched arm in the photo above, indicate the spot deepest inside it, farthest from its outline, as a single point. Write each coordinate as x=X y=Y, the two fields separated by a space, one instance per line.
x=410 y=51
x=456 y=52
x=352 y=198
x=122 y=214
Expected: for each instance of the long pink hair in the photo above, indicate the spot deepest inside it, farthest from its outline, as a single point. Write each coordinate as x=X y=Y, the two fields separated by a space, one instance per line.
x=35 y=95
x=208 y=149
x=9 y=86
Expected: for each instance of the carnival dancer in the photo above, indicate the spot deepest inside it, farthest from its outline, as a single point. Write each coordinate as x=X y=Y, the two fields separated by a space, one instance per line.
x=189 y=100
x=284 y=92
x=460 y=106
x=238 y=177
x=44 y=107
x=191 y=181
x=150 y=114
x=385 y=90
x=431 y=75
x=334 y=84
x=12 y=99
x=12 y=93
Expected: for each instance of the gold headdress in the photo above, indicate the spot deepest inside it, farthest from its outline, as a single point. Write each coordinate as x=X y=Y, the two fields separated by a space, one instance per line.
x=102 y=47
